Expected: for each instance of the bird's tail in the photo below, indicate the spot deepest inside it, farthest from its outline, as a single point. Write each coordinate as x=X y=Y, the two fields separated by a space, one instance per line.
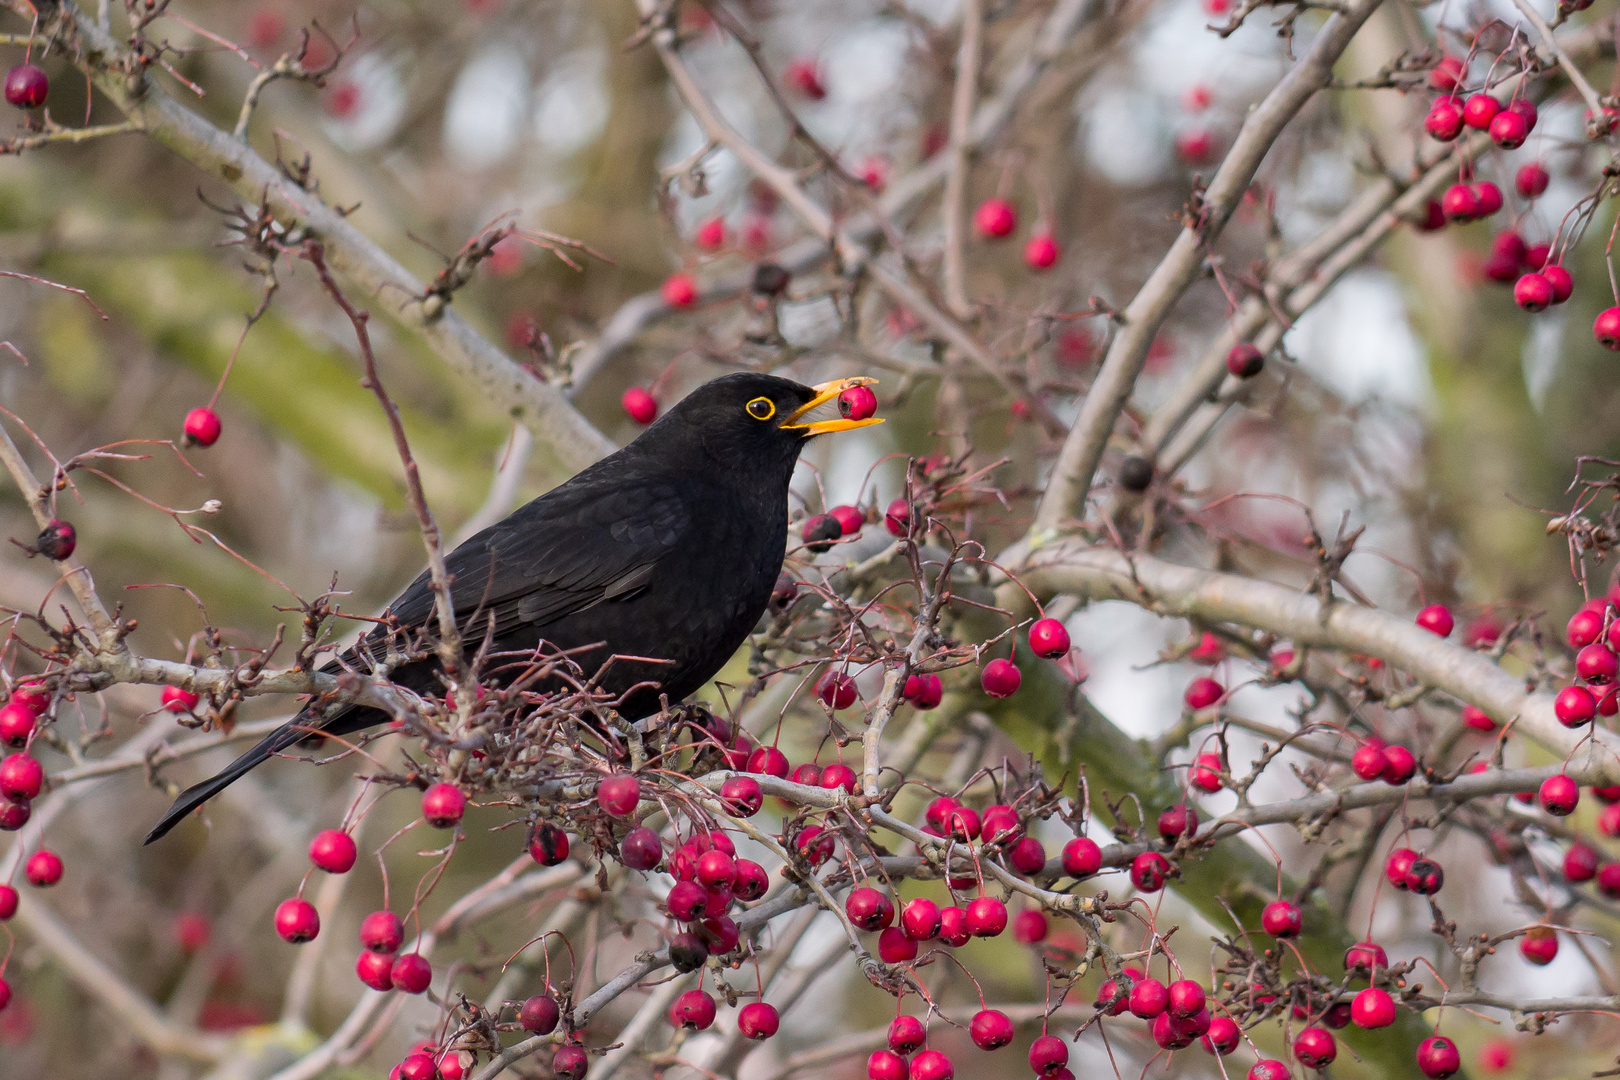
x=353 y=718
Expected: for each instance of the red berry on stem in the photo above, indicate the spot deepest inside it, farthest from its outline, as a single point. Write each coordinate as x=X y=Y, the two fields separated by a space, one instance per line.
x=711 y=235
x=1185 y=999
x=1447 y=74
x=1437 y=1057
x=14 y=815
x=1030 y=927
x=1488 y=198
x=924 y=691
x=10 y=899
x=804 y=75
x=679 y=291
x=920 y=919
x=1364 y=956
x=178 y=700
x=897 y=518
x=932 y=1065
x=26 y=86
x=1041 y=252
x=1460 y=203
x=297 y=921
x=202 y=427
x=1048 y=639
x=1224 y=1035
x=374 y=969
x=1495 y=1055
x=1203 y=692
x=1396 y=866
x=1425 y=877
x=768 y=761
x=1244 y=360
x=1400 y=765
x=693 y=1010
x=1436 y=619
x=570 y=1062
x=1539 y=945
x=1509 y=130
x=639 y=405
x=1000 y=678
x=742 y=796
x=850 y=519
x=1177 y=821
x=1575 y=705
x=22 y=778
x=1081 y=857
x=411 y=973
x=333 y=850
x=1445 y=119
x=1563 y=286
x=57 y=540
x=619 y=795
x=417 y=1066
x=382 y=932
x=1558 y=795
x=1369 y=761
x=1149 y=871
x=1533 y=292
x=869 y=909
x=1281 y=919
x=539 y=1014
x=986 y=917
x=757 y=1021
x=999 y=824
x=442 y=805
x=1606 y=328
x=990 y=1029
x=548 y=845
x=995 y=218
x=1048 y=1054
x=1479 y=110
x=906 y=1034
x=1531 y=180
x=641 y=849
x=886 y=1065
x=1580 y=863
x=1372 y=1008
x=836 y=690
x=953 y=926
x=894 y=947
x=1206 y=774
x=1315 y=1047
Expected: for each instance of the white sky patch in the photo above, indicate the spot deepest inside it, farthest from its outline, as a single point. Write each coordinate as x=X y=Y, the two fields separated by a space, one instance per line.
x=572 y=103
x=380 y=109
x=1357 y=341
x=1540 y=358
x=1124 y=136
x=484 y=114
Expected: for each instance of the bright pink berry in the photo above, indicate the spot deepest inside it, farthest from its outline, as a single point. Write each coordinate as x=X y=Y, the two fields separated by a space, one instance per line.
x=1365 y=955
x=1606 y=328
x=1369 y=761
x=850 y=519
x=1558 y=795
x=1445 y=119
x=932 y=1065
x=886 y=1065
x=1400 y=765
x=906 y=1034
x=711 y=235
x=920 y=919
x=1479 y=110
x=1580 y=863
x=1203 y=692
x=1030 y=927
x=1372 y=1008
x=768 y=761
x=1224 y=1035
x=758 y=1021
x=411 y=973
x=804 y=75
x=1460 y=203
x=1281 y=919
x=679 y=291
x=1206 y=774
x=1477 y=719
x=990 y=1029
x=1495 y=1056
x=894 y=947
x=995 y=218
x=1149 y=871
x=1048 y=639
x=1436 y=618
x=619 y=794
x=178 y=700
x=869 y=909
x=986 y=917
x=297 y=921
x=202 y=427
x=375 y=969
x=1575 y=705
x=17 y=723
x=1047 y=1055
x=1177 y=821
x=836 y=690
x=417 y=1066
x=1268 y=1070
x=693 y=1010
x=1148 y=998
x=442 y=805
x=953 y=925
x=1041 y=252
x=1596 y=664
x=857 y=403
x=639 y=405
x=999 y=824
x=1563 y=286
x=1081 y=857
x=1315 y=1047
x=1531 y=180
x=1437 y=1057
x=1185 y=999
x=1508 y=130
x=924 y=691
x=22 y=778
x=382 y=932
x=333 y=850
x=1425 y=877
x=1000 y=678
x=1533 y=292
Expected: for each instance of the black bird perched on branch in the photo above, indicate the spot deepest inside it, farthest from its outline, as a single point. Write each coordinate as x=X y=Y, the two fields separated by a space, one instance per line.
x=667 y=549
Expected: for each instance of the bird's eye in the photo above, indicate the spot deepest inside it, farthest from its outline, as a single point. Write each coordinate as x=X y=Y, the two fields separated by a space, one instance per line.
x=762 y=408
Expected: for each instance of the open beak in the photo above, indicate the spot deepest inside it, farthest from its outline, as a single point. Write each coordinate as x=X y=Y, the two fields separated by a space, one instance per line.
x=826 y=392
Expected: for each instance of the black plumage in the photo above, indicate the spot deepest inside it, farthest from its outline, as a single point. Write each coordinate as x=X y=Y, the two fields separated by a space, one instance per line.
x=667 y=549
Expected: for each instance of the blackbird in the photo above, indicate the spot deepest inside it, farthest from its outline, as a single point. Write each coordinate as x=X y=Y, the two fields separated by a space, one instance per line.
x=666 y=550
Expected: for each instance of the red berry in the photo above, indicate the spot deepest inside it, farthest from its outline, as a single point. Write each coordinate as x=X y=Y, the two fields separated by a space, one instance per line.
x=1574 y=705
x=202 y=427
x=1203 y=692
x=742 y=796
x=816 y=845
x=1269 y=1070
x=1400 y=765
x=869 y=909
x=986 y=917
x=897 y=518
x=1475 y=718
x=1436 y=619
x=17 y=723
x=1445 y=119
x=539 y=1014
x=1000 y=678
x=1580 y=863
x=1447 y=74
x=297 y=921
x=639 y=405
x=894 y=947
x=1596 y=664
x=768 y=761
x=1433 y=217
x=417 y=1066
x=1606 y=328
x=1460 y=203
x=548 y=845
x=906 y=1034
x=1531 y=180
x=953 y=926
x=411 y=973
x=1315 y=1047
x=1365 y=955
x=1149 y=998
x=1372 y=1008
x=1206 y=774
x=1149 y=870
x=1524 y=109
x=1437 y=1057
x=990 y=1029
x=1558 y=795
x=641 y=849
x=1224 y=1035
x=1047 y=1055
x=1244 y=360
x=886 y=1065
x=678 y=291
x=1177 y=821
x=1539 y=945
x=857 y=403
x=14 y=815
x=375 y=969
x=805 y=76
x=333 y=850
x=1041 y=252
x=1399 y=862
x=1425 y=877
x=1194 y=145
x=920 y=920
x=21 y=778
x=26 y=86
x=1027 y=857
x=757 y=1021
x=443 y=805
x=1184 y=999
x=1509 y=130
x=1281 y=919
x=850 y=519
x=715 y=868
x=1608 y=880
x=570 y=1062
x=1479 y=110
x=1488 y=198
x=924 y=691
x=836 y=691
x=1048 y=639
x=693 y=1010
x=1030 y=927
x=995 y=218
x=178 y=700
x=711 y=235
x=1563 y=286
x=1495 y=1055
x=382 y=932
x=619 y=795
x=1533 y=292
x=1369 y=761
x=932 y=1065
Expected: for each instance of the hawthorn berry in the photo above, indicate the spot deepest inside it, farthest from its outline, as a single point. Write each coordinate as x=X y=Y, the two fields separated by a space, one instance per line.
x=297 y=921
x=14 y=815
x=1135 y=474
x=1425 y=877
x=1447 y=73
x=1369 y=761
x=443 y=805
x=768 y=761
x=850 y=519
x=1041 y=251
x=816 y=845
x=1575 y=706
x=1202 y=693
x=1315 y=1047
x=742 y=796
x=995 y=218
x=818 y=533
x=1509 y=130
x=932 y=1065
x=1027 y=857
x=686 y=900
x=678 y=291
x=693 y=1010
x=1608 y=880
x=641 y=849
x=953 y=925
x=963 y=823
x=1479 y=110
x=57 y=540
x=1495 y=1055
x=1533 y=292
x=1281 y=919
x=411 y=973
x=804 y=75
x=639 y=405
x=1048 y=1054
x=1244 y=360
x=869 y=909
x=570 y=1062
x=1559 y=795
x=758 y=1020
x=1206 y=774
x=1596 y=664
x=10 y=898
x=1000 y=678
x=894 y=947
x=333 y=850
x=1224 y=1035
x=1580 y=863
x=711 y=235
x=886 y=1065
x=1437 y=619
x=1149 y=871
x=986 y=917
x=1563 y=286
x=1048 y=639
x=417 y=1066
x=201 y=428
x=857 y=403
x=836 y=691
x=687 y=952
x=1445 y=119
x=897 y=518
x=27 y=85
x=1531 y=180
x=1437 y=1057
x=1372 y=1008
x=924 y=691
x=1488 y=198
x=22 y=778
x=382 y=932
x=619 y=795
x=719 y=933
x=375 y=970
x=990 y=1029
x=1268 y=1069
x=715 y=868
x=178 y=699
x=906 y=1034
x=999 y=824
x=1539 y=945
x=1365 y=956
x=1177 y=821
x=1460 y=203
x=1400 y=765
x=920 y=919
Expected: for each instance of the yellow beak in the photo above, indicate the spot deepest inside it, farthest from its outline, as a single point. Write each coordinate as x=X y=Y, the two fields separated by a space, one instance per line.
x=825 y=393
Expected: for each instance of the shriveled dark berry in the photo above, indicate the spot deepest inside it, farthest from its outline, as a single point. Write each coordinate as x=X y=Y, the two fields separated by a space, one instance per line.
x=1135 y=474
x=771 y=279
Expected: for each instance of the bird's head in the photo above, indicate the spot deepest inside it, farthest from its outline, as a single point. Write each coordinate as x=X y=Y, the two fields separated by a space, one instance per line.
x=755 y=421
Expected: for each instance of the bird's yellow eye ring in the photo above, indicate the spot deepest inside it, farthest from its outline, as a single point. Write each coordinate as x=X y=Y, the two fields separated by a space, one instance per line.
x=761 y=408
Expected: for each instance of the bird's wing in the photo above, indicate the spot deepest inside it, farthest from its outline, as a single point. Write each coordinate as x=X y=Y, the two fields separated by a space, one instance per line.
x=575 y=547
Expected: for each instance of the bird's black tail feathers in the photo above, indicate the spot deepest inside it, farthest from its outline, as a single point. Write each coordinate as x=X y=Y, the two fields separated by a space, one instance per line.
x=354 y=718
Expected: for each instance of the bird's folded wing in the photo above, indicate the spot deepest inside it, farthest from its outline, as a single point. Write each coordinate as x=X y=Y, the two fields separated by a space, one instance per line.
x=573 y=548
